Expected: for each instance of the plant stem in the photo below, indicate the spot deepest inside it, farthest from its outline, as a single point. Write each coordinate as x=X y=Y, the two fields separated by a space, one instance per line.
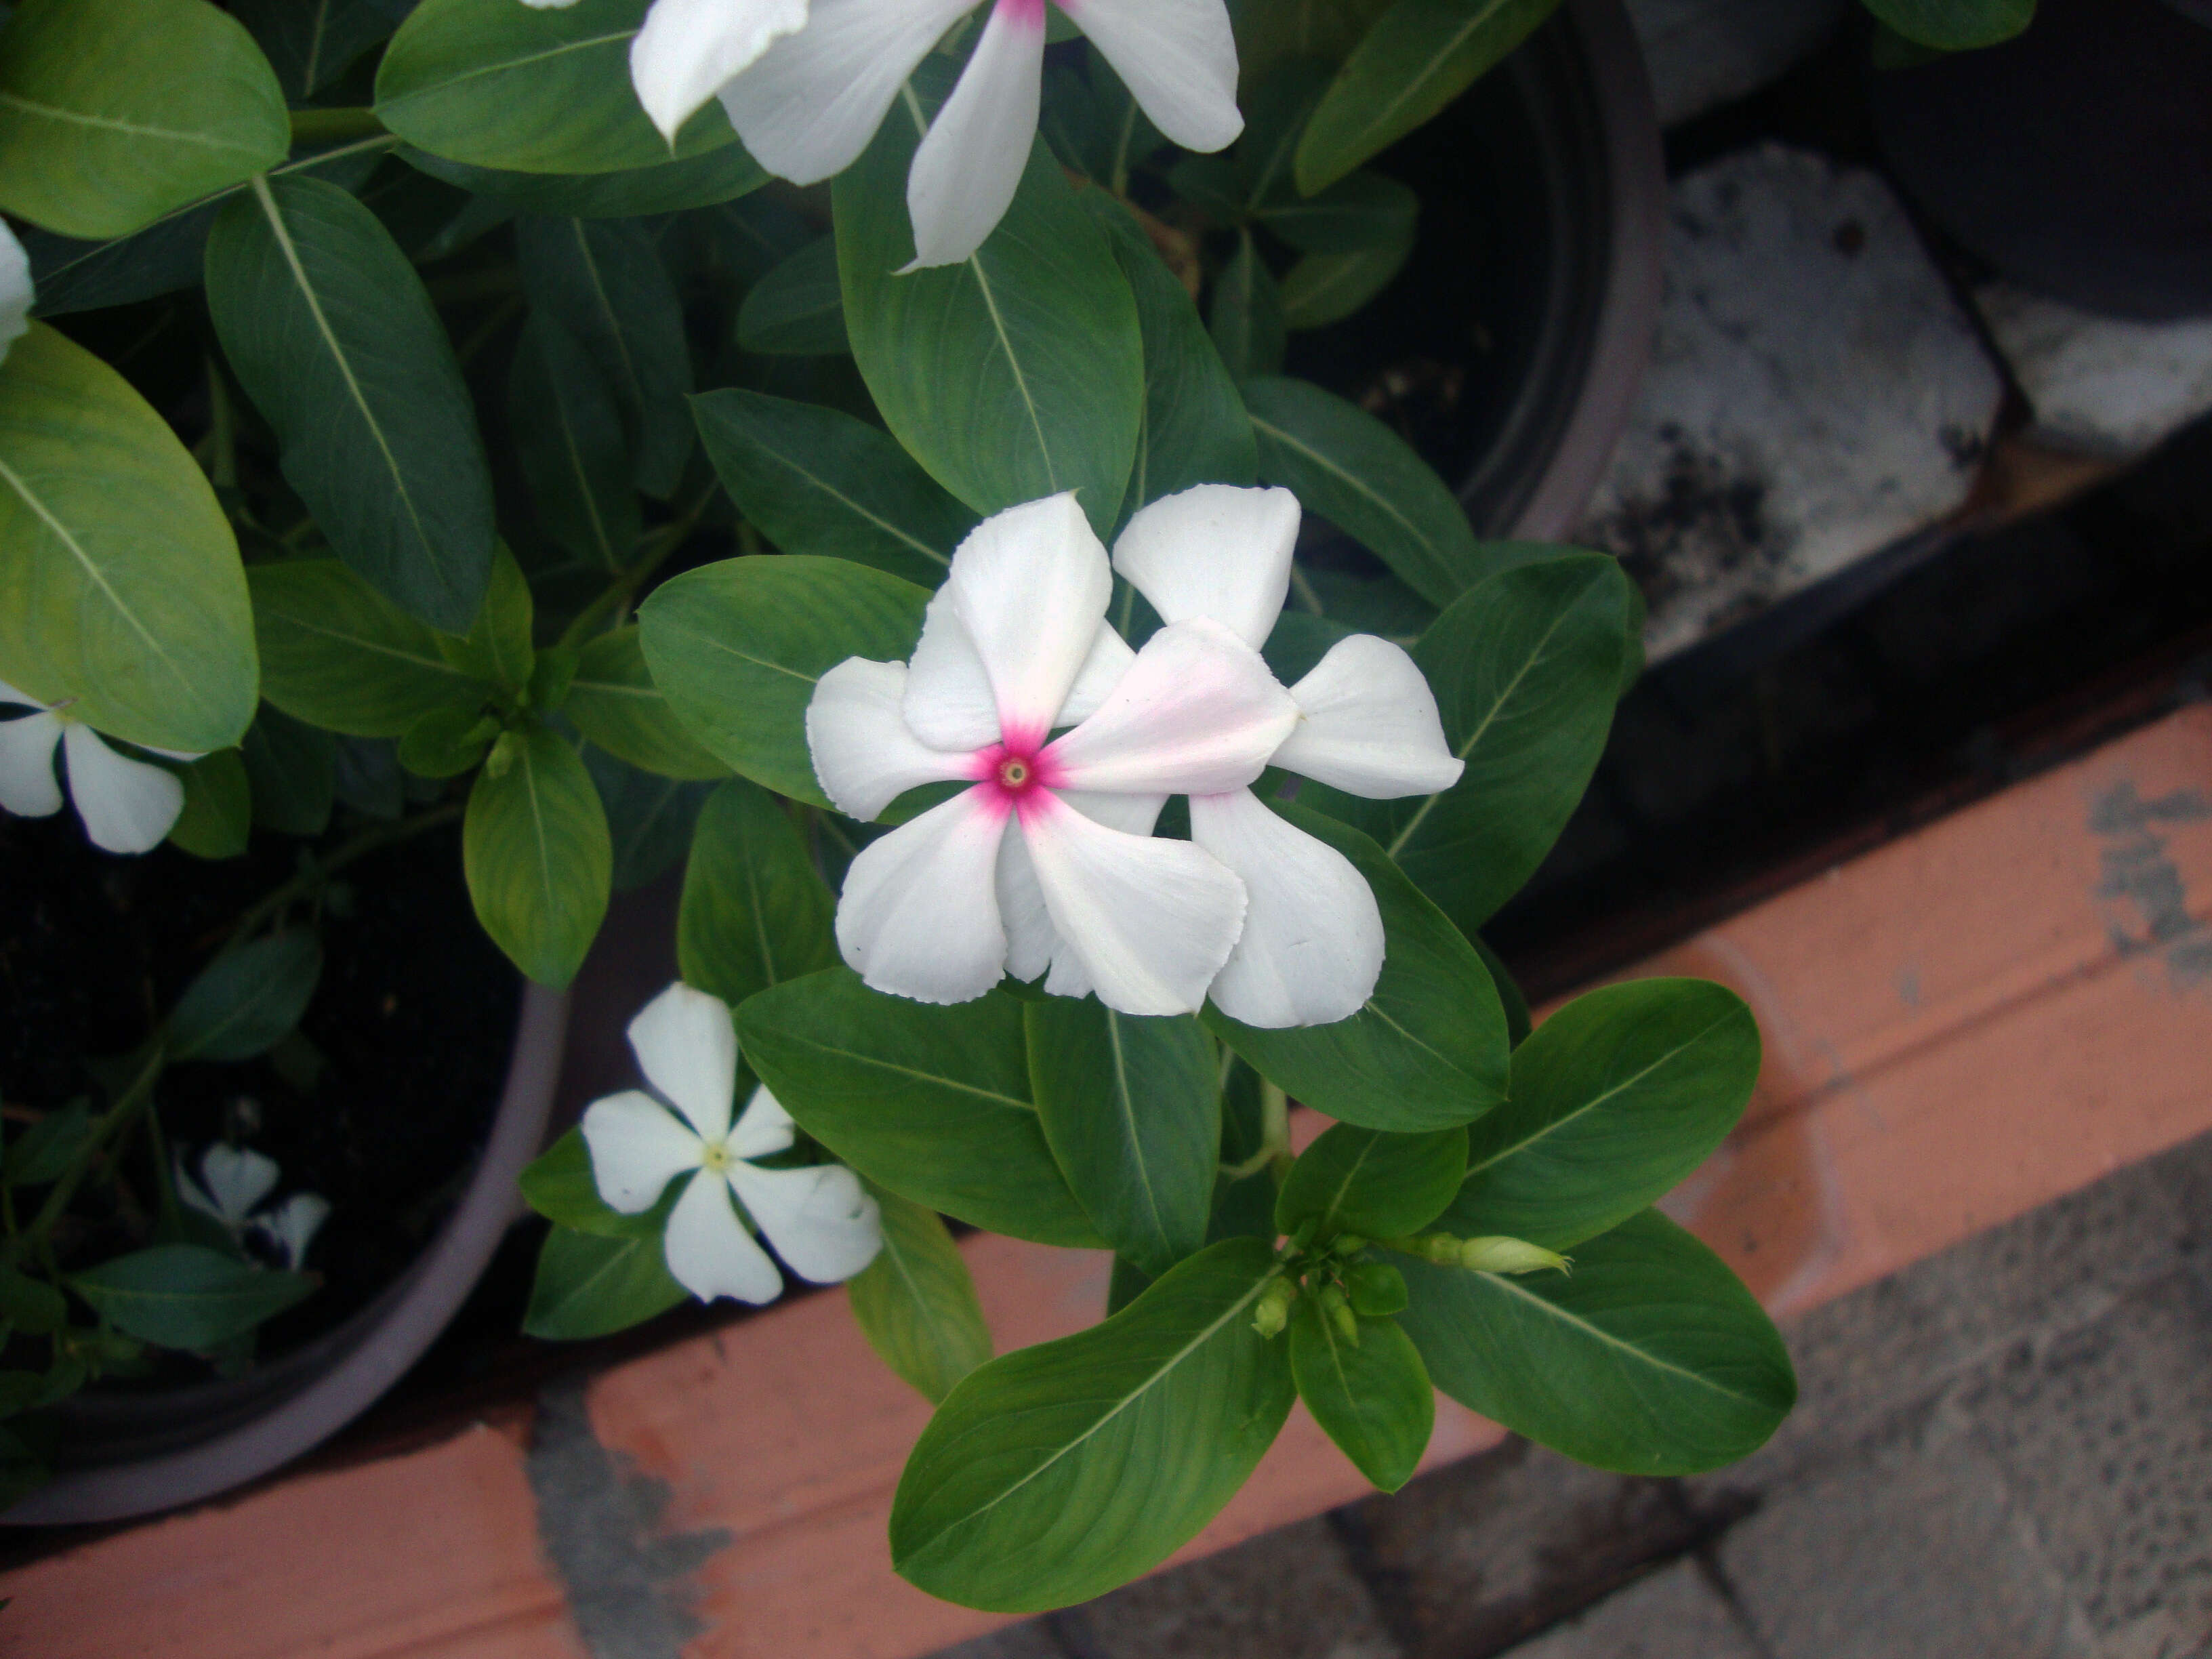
x=368 y=840
x=127 y=1106
x=334 y=126
x=656 y=548
x=1274 y=1137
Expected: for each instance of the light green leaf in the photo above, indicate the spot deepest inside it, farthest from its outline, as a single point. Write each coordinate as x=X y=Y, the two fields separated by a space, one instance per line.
x=336 y=654
x=559 y=1185
x=915 y=1302
x=536 y=851
x=736 y=648
x=246 y=999
x=614 y=703
x=534 y=89
x=496 y=650
x=1015 y=374
x=1650 y=1358
x=932 y=1103
x=186 y=1295
x=1372 y=1184
x=754 y=912
x=1131 y=1108
x=1954 y=24
x=1057 y=1472
x=1372 y=1398
x=1247 y=318
x=592 y=1285
x=1615 y=1099
x=797 y=309
x=814 y=480
x=568 y=435
x=662 y=187
x=331 y=334
x=113 y=112
x=122 y=576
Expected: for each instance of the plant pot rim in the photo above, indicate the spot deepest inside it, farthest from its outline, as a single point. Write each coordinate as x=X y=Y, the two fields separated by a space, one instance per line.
x=374 y=1348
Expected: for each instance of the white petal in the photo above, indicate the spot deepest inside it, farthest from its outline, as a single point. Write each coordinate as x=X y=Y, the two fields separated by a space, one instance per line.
x=688 y=50
x=127 y=806
x=807 y=109
x=1030 y=586
x=549 y=5
x=865 y=756
x=919 y=916
x=9 y=694
x=1030 y=941
x=28 y=787
x=637 y=1146
x=1367 y=725
x=710 y=1253
x=293 y=1224
x=764 y=1128
x=821 y=1220
x=237 y=1178
x=1214 y=550
x=948 y=703
x=1068 y=977
x=1150 y=921
x=1178 y=58
x=966 y=172
x=1133 y=815
x=688 y=1049
x=1109 y=658
x=1198 y=713
x=1312 y=946
x=191 y=1194
x=16 y=298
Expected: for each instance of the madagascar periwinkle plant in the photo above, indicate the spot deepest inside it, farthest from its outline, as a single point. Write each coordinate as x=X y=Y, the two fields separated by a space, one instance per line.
x=783 y=436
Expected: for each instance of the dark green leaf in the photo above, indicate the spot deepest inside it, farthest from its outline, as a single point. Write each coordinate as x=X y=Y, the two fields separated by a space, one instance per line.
x=185 y=1295
x=448 y=742
x=46 y=1151
x=1372 y=1398
x=568 y=435
x=310 y=43
x=1131 y=1108
x=1518 y=1023
x=336 y=654
x=1650 y=1359
x=915 y=1303
x=1057 y=1472
x=934 y=1104
x=246 y=999
x=1428 y=1049
x=1364 y=212
x=1375 y=1288
x=536 y=851
x=755 y=912
x=649 y=817
x=591 y=1284
x=218 y=812
x=1370 y=1184
x=1125 y=1284
x=614 y=703
x=559 y=1185
x=1276 y=105
x=1954 y=24
x=663 y=186
x=1247 y=318
x=330 y=332
x=796 y=309
x=292 y=767
x=1327 y=288
x=31 y=1307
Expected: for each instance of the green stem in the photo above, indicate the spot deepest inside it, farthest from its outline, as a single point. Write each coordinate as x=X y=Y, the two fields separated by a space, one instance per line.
x=307 y=882
x=657 y=546
x=334 y=126
x=118 y=1117
x=1274 y=1136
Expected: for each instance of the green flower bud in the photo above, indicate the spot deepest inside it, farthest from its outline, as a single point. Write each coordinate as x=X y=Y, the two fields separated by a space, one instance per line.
x=1273 y=1311
x=1377 y=1290
x=1440 y=1248
x=1509 y=1256
x=1347 y=1244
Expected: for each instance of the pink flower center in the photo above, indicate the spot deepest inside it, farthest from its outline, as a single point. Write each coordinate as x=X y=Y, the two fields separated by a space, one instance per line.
x=1015 y=773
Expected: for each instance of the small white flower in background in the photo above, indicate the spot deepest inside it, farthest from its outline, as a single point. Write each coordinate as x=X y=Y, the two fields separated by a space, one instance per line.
x=807 y=85
x=127 y=806
x=291 y=1226
x=824 y=1225
x=231 y=1182
x=1015 y=645
x=1312 y=944
x=15 y=294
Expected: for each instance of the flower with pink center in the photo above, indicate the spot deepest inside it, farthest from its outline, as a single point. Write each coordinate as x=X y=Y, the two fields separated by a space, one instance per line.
x=806 y=83
x=1047 y=864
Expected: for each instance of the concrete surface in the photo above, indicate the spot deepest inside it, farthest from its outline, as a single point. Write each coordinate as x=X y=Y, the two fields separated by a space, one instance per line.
x=2105 y=384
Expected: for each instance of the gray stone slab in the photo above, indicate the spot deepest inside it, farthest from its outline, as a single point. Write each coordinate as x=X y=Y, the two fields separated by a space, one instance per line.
x=1704 y=53
x=1291 y=1595
x=2101 y=384
x=1673 y=1613
x=1816 y=393
x=1032 y=1640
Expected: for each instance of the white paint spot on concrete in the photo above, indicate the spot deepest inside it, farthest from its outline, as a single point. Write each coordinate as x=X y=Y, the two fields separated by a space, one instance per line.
x=2101 y=384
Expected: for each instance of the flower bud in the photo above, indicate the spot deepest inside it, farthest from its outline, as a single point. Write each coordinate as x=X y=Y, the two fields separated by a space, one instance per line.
x=1508 y=1256
x=1347 y=1244
x=1273 y=1310
x=1440 y=1248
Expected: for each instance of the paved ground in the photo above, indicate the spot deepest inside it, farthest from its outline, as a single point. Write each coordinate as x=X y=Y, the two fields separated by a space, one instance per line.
x=2003 y=1452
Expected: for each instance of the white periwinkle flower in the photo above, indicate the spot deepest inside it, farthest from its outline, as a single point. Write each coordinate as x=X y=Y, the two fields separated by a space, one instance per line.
x=291 y=1226
x=806 y=83
x=127 y=806
x=824 y=1225
x=1312 y=944
x=15 y=294
x=233 y=1181
x=1015 y=645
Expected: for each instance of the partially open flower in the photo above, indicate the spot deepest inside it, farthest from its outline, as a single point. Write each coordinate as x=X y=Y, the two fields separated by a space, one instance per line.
x=232 y=1181
x=15 y=294
x=823 y=1224
x=1016 y=644
x=127 y=806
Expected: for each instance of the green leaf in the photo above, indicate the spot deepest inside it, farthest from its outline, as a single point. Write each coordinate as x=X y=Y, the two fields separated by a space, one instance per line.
x=1364 y=478
x=1195 y=430
x=932 y=1103
x=1327 y=288
x=591 y=1284
x=113 y=112
x=310 y=43
x=537 y=854
x=528 y=88
x=1420 y=55
x=1057 y=1472
x=1267 y=34
x=604 y=282
x=186 y=1295
x=336 y=654
x=737 y=647
x=1372 y=1398
x=1650 y=1359
x=1131 y=1108
x=1525 y=669
x=663 y=186
x=330 y=332
x=754 y=912
x=246 y=1000
x=46 y=1151
x=1276 y=106
x=559 y=1185
x=31 y=1307
x=614 y=703
x=649 y=817
x=569 y=436
x=797 y=309
x=292 y=767
x=122 y=576
x=1954 y=24
x=218 y=812
x=915 y=1303
x=1372 y=1184
x=1015 y=374
x=1247 y=320
x=448 y=742
x=1427 y=1052
x=497 y=650
x=1614 y=1100
x=814 y=480
x=1362 y=213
